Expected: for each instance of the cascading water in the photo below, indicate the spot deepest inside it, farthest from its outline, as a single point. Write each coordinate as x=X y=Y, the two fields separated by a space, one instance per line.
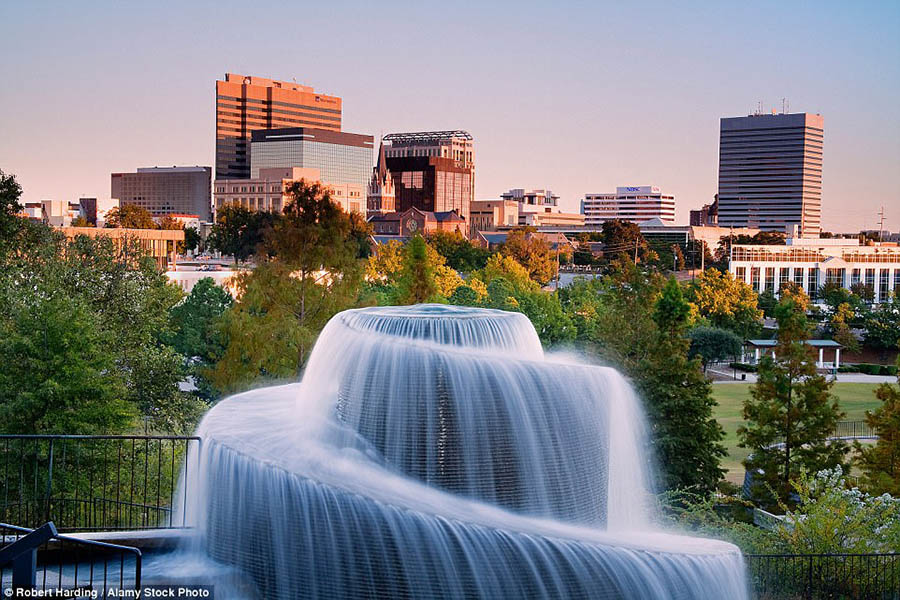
x=436 y=452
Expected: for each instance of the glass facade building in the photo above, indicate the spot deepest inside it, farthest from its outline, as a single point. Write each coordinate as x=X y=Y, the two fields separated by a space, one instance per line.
x=340 y=157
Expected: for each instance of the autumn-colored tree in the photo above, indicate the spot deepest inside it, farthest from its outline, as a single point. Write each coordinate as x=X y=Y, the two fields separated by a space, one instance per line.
x=839 y=325
x=725 y=302
x=130 y=216
x=171 y=223
x=532 y=252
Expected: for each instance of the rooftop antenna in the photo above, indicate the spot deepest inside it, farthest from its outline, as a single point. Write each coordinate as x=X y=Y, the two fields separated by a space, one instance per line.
x=881 y=225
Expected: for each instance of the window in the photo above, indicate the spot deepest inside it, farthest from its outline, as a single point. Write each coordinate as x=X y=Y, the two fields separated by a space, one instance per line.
x=798 y=276
x=754 y=278
x=784 y=277
x=740 y=273
x=813 y=285
x=884 y=285
x=770 y=279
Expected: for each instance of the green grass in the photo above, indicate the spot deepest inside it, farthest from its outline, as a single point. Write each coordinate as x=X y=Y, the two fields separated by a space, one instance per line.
x=855 y=400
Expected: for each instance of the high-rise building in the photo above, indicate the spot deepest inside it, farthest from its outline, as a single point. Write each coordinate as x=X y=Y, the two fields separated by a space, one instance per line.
x=340 y=158
x=635 y=204
x=166 y=190
x=245 y=104
x=433 y=171
x=770 y=172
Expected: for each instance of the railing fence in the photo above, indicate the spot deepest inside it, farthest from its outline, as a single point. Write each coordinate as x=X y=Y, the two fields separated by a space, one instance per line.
x=824 y=576
x=93 y=483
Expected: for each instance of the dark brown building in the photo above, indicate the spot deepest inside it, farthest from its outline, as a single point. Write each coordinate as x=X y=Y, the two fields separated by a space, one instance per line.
x=432 y=171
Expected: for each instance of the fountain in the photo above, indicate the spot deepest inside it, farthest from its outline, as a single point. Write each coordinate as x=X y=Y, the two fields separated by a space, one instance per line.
x=436 y=452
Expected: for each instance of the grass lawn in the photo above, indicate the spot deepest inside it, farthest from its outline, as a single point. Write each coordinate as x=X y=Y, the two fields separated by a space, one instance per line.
x=855 y=399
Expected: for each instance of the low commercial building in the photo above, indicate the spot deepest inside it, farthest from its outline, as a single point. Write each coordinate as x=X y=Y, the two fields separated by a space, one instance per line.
x=160 y=244
x=546 y=218
x=532 y=197
x=269 y=191
x=636 y=204
x=61 y=213
x=489 y=215
x=814 y=262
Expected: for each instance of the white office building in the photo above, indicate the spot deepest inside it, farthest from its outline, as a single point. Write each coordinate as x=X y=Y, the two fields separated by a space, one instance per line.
x=813 y=262
x=635 y=204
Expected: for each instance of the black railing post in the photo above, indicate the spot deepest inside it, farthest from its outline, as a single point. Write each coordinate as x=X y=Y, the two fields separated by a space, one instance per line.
x=49 y=482
x=809 y=578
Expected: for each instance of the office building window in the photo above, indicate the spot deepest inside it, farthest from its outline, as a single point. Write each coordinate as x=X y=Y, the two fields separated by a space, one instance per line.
x=884 y=285
x=798 y=277
x=740 y=273
x=834 y=277
x=754 y=278
x=813 y=283
x=770 y=279
x=784 y=276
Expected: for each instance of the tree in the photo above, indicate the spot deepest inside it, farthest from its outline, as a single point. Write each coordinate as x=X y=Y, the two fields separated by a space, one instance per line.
x=194 y=319
x=416 y=283
x=713 y=344
x=883 y=326
x=58 y=374
x=10 y=192
x=240 y=232
x=839 y=325
x=531 y=252
x=622 y=239
x=119 y=304
x=80 y=221
x=461 y=254
x=687 y=438
x=637 y=321
x=169 y=222
x=130 y=216
x=192 y=239
x=880 y=463
x=725 y=302
x=310 y=273
x=791 y=411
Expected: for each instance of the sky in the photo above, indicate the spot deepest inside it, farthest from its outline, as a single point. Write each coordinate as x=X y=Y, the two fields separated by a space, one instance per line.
x=575 y=97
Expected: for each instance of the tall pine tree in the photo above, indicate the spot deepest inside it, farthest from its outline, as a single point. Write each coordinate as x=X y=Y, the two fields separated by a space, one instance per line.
x=791 y=411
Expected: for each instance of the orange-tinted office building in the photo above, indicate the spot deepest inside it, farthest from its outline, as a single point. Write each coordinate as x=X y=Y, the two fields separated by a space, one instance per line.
x=245 y=104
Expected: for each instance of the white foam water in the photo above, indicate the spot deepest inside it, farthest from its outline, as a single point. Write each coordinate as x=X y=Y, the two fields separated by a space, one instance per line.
x=436 y=452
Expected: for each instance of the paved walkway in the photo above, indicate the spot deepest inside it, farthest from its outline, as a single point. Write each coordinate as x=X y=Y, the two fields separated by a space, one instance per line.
x=727 y=375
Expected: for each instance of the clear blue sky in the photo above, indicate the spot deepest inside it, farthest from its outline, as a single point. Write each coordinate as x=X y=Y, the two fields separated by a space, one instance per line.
x=578 y=97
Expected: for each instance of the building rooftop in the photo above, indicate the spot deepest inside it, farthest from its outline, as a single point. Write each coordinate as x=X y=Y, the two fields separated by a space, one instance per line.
x=426 y=136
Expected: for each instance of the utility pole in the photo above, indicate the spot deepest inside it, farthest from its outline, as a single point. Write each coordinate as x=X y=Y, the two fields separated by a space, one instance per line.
x=881 y=225
x=635 y=250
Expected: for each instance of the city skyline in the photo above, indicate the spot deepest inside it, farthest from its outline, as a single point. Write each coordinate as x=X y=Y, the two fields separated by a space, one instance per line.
x=598 y=96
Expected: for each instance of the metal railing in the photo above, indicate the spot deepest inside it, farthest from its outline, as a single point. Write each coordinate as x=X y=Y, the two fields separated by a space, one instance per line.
x=93 y=482
x=44 y=560
x=824 y=576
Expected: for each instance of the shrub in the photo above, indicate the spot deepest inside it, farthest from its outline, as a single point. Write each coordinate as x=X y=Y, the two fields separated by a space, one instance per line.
x=743 y=367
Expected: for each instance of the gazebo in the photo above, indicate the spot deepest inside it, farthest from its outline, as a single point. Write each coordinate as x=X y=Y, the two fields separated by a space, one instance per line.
x=759 y=347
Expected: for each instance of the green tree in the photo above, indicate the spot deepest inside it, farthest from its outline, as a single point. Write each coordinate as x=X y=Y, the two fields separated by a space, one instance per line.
x=10 y=207
x=192 y=239
x=532 y=252
x=58 y=375
x=637 y=321
x=622 y=239
x=880 y=463
x=767 y=301
x=687 y=438
x=839 y=327
x=791 y=411
x=130 y=216
x=80 y=221
x=723 y=301
x=240 y=232
x=883 y=326
x=461 y=254
x=313 y=272
x=713 y=344
x=416 y=282
x=194 y=320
